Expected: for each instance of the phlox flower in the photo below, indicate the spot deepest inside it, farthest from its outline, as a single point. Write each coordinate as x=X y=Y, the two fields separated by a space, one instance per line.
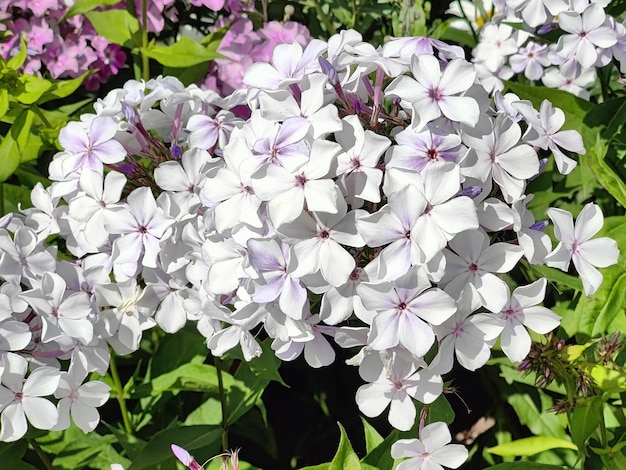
x=432 y=451
x=472 y=260
x=98 y=195
x=432 y=93
x=404 y=310
x=140 y=224
x=416 y=150
x=290 y=63
x=270 y=259
x=358 y=164
x=398 y=383
x=63 y=312
x=522 y=310
x=317 y=244
x=21 y=398
x=466 y=335
x=587 y=31
x=90 y=148
x=496 y=151
x=543 y=131
x=575 y=244
x=80 y=400
x=306 y=336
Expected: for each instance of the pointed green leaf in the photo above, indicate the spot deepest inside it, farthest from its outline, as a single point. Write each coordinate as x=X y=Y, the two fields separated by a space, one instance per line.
x=530 y=446
x=63 y=88
x=183 y=53
x=345 y=458
x=584 y=419
x=81 y=7
x=18 y=60
x=116 y=26
x=372 y=438
x=14 y=143
x=525 y=466
x=4 y=101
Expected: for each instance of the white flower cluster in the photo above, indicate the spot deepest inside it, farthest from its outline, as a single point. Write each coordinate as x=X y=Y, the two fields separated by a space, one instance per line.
x=371 y=196
x=513 y=38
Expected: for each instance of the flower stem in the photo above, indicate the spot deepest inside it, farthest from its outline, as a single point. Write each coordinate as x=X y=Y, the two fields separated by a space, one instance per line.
x=145 y=60
x=42 y=455
x=119 y=395
x=220 y=385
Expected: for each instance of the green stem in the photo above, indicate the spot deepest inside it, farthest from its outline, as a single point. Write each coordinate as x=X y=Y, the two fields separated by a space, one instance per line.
x=145 y=60
x=330 y=29
x=220 y=385
x=42 y=455
x=119 y=394
x=603 y=437
x=41 y=116
x=1 y=199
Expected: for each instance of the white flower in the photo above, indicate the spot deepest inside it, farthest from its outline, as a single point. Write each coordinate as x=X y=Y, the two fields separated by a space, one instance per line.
x=431 y=451
x=21 y=399
x=80 y=400
x=575 y=244
x=522 y=310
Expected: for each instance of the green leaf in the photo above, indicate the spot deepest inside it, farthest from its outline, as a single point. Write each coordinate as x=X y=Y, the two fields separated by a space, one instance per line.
x=183 y=53
x=557 y=276
x=158 y=450
x=608 y=178
x=63 y=88
x=244 y=392
x=81 y=7
x=372 y=438
x=188 y=377
x=190 y=346
x=209 y=412
x=345 y=458
x=380 y=457
x=18 y=60
x=116 y=26
x=584 y=419
x=265 y=366
x=34 y=88
x=530 y=446
x=575 y=108
x=537 y=419
x=132 y=445
x=608 y=380
x=4 y=101
x=511 y=374
x=14 y=144
x=15 y=195
x=80 y=449
x=524 y=466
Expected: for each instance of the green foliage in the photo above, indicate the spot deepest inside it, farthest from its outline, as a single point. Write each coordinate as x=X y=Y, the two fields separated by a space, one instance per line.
x=183 y=53
x=530 y=446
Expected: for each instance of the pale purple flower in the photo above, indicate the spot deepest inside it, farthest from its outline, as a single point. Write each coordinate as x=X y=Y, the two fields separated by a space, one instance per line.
x=522 y=310
x=587 y=31
x=575 y=244
x=434 y=92
x=432 y=451
x=90 y=148
x=21 y=398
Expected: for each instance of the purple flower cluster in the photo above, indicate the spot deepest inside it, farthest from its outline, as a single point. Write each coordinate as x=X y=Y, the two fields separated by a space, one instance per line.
x=244 y=46
x=65 y=48
x=70 y=47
